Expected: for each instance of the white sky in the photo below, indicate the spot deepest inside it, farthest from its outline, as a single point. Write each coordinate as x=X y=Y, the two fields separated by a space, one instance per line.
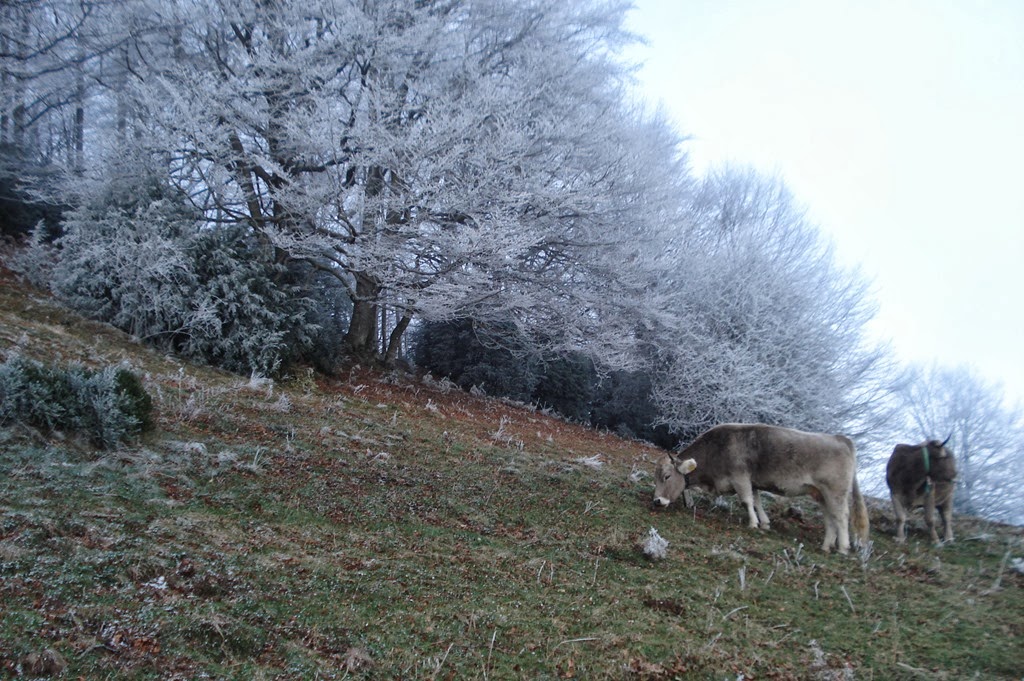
x=898 y=123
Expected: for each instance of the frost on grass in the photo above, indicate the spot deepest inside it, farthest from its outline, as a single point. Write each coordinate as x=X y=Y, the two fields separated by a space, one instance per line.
x=655 y=546
x=158 y=584
x=820 y=668
x=637 y=474
x=283 y=405
x=591 y=461
x=259 y=383
x=443 y=385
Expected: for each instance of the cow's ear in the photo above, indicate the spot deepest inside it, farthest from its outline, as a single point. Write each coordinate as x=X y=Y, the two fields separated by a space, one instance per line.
x=687 y=466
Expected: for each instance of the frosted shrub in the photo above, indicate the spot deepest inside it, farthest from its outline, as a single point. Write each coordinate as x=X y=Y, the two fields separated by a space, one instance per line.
x=129 y=267
x=655 y=546
x=146 y=267
x=35 y=261
x=108 y=406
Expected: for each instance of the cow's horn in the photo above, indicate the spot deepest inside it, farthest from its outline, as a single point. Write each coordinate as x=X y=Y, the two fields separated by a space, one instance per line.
x=947 y=439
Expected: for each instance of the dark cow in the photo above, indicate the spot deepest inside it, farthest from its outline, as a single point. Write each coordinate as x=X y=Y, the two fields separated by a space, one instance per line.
x=745 y=458
x=922 y=475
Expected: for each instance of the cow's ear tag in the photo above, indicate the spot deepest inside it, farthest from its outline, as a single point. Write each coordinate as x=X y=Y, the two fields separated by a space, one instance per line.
x=687 y=466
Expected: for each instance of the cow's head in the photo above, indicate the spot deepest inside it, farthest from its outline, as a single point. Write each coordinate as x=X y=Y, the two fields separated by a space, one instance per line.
x=942 y=465
x=670 y=479
x=938 y=449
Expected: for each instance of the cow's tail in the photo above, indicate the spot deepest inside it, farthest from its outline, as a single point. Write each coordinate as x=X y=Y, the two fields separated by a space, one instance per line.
x=859 y=515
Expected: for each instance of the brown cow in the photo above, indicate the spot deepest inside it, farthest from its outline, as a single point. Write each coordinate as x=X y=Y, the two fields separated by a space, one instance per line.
x=746 y=458
x=922 y=475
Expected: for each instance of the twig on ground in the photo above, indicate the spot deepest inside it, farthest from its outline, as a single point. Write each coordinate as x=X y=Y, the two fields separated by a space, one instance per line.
x=575 y=640
x=490 y=650
x=437 y=669
x=848 y=599
x=734 y=611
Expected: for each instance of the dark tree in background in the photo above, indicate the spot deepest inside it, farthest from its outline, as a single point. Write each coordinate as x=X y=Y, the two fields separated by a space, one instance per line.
x=566 y=385
x=496 y=360
x=20 y=211
x=490 y=359
x=623 y=403
x=473 y=356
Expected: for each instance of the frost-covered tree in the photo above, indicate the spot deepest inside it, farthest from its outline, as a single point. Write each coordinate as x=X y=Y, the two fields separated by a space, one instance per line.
x=987 y=437
x=760 y=323
x=442 y=159
x=62 y=64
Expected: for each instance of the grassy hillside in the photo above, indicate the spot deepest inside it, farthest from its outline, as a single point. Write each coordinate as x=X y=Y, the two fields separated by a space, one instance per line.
x=376 y=527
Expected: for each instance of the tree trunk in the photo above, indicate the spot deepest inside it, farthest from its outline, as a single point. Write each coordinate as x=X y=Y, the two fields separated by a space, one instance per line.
x=78 y=131
x=6 y=86
x=18 y=112
x=361 y=339
x=395 y=340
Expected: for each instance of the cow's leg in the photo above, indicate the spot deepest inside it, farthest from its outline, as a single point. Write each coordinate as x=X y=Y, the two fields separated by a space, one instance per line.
x=946 y=509
x=836 y=511
x=828 y=514
x=901 y=518
x=929 y=516
x=762 y=517
x=843 y=524
x=830 y=530
x=745 y=491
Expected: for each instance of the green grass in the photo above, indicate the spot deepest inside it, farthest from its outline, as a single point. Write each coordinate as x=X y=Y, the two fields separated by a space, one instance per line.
x=363 y=528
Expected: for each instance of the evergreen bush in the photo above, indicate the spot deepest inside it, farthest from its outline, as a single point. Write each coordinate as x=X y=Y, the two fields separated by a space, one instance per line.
x=254 y=319
x=329 y=313
x=566 y=385
x=623 y=404
x=107 y=406
x=141 y=261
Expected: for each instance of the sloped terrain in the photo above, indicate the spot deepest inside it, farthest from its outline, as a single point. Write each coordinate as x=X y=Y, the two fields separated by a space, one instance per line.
x=376 y=526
